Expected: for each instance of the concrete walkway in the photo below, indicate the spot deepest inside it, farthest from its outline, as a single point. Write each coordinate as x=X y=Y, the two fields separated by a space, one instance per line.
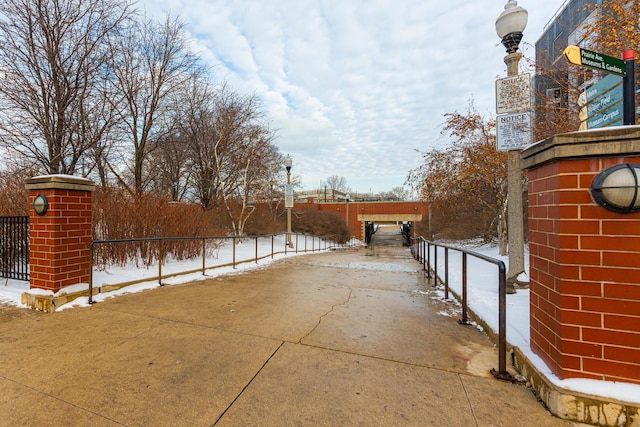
x=352 y=337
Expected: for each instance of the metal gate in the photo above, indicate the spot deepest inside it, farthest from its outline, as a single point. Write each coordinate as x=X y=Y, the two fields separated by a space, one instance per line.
x=14 y=247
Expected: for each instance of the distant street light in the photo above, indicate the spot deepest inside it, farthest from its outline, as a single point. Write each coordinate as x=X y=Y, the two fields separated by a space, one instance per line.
x=509 y=26
x=288 y=196
x=347 y=213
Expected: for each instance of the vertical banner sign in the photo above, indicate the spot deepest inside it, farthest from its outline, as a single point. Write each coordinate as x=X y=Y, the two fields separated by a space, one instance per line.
x=513 y=131
x=288 y=196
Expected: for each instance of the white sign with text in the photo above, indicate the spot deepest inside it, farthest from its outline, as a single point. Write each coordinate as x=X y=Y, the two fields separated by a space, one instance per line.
x=513 y=94
x=513 y=131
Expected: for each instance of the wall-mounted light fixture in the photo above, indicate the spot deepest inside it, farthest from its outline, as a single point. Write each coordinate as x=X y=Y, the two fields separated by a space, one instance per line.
x=41 y=204
x=617 y=188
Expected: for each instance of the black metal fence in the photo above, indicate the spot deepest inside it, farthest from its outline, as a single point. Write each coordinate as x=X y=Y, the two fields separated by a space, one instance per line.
x=157 y=250
x=14 y=247
x=423 y=250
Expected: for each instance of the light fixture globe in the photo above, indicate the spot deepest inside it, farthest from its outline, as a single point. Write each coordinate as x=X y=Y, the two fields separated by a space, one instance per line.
x=510 y=25
x=618 y=188
x=288 y=162
x=40 y=204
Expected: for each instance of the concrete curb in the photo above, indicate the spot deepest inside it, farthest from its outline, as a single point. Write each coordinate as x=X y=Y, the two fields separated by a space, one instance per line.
x=575 y=406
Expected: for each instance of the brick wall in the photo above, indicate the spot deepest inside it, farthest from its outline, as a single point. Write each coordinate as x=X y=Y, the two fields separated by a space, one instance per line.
x=60 y=239
x=359 y=210
x=585 y=278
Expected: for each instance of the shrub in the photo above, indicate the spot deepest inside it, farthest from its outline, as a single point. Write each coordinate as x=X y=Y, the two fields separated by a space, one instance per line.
x=320 y=223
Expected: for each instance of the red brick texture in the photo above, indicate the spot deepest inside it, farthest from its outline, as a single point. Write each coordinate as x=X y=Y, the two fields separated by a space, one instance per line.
x=60 y=240
x=585 y=279
x=366 y=208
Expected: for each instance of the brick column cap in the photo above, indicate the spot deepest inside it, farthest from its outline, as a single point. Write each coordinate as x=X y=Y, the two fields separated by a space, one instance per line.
x=613 y=141
x=60 y=182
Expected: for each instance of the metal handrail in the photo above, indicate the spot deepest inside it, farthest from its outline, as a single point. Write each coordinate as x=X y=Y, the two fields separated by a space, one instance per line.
x=421 y=250
x=328 y=244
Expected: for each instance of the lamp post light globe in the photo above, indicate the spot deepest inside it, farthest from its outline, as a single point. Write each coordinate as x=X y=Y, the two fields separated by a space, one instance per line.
x=510 y=25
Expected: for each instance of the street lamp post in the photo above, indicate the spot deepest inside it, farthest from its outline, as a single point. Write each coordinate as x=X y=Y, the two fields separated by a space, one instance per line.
x=347 y=208
x=509 y=26
x=288 y=203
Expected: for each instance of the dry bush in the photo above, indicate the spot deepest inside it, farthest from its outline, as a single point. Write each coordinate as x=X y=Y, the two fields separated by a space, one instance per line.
x=320 y=223
x=266 y=220
x=14 y=197
x=462 y=220
x=118 y=215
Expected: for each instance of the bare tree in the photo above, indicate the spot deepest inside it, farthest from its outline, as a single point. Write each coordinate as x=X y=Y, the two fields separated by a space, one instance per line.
x=194 y=116
x=336 y=183
x=243 y=153
x=396 y=193
x=53 y=59
x=152 y=62
x=171 y=166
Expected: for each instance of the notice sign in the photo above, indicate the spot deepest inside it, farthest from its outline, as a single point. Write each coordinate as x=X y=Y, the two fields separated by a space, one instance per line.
x=288 y=196
x=513 y=131
x=513 y=94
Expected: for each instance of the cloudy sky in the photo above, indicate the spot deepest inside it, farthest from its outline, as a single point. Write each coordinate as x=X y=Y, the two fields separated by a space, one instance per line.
x=355 y=87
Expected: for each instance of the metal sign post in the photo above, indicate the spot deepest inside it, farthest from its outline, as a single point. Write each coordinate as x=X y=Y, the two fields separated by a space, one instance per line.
x=629 y=88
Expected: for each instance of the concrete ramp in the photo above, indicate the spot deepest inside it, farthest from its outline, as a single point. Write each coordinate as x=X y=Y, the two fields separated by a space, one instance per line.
x=387 y=235
x=351 y=337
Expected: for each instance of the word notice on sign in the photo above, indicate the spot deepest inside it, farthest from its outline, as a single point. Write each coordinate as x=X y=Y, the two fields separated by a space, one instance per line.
x=513 y=131
x=513 y=94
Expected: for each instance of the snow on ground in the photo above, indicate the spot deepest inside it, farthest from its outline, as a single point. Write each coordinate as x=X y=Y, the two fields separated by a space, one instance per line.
x=482 y=294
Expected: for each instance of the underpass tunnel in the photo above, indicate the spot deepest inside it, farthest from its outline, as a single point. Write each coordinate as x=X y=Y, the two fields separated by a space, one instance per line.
x=396 y=233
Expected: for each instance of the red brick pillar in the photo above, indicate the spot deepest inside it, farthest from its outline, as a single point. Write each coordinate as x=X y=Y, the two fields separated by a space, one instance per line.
x=584 y=259
x=60 y=237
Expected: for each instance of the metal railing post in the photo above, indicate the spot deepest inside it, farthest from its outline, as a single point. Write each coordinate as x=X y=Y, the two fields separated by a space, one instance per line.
x=464 y=320
x=428 y=260
x=234 y=251
x=160 y=256
x=91 y=273
x=424 y=257
x=204 y=254
x=435 y=265
x=502 y=324
x=446 y=273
